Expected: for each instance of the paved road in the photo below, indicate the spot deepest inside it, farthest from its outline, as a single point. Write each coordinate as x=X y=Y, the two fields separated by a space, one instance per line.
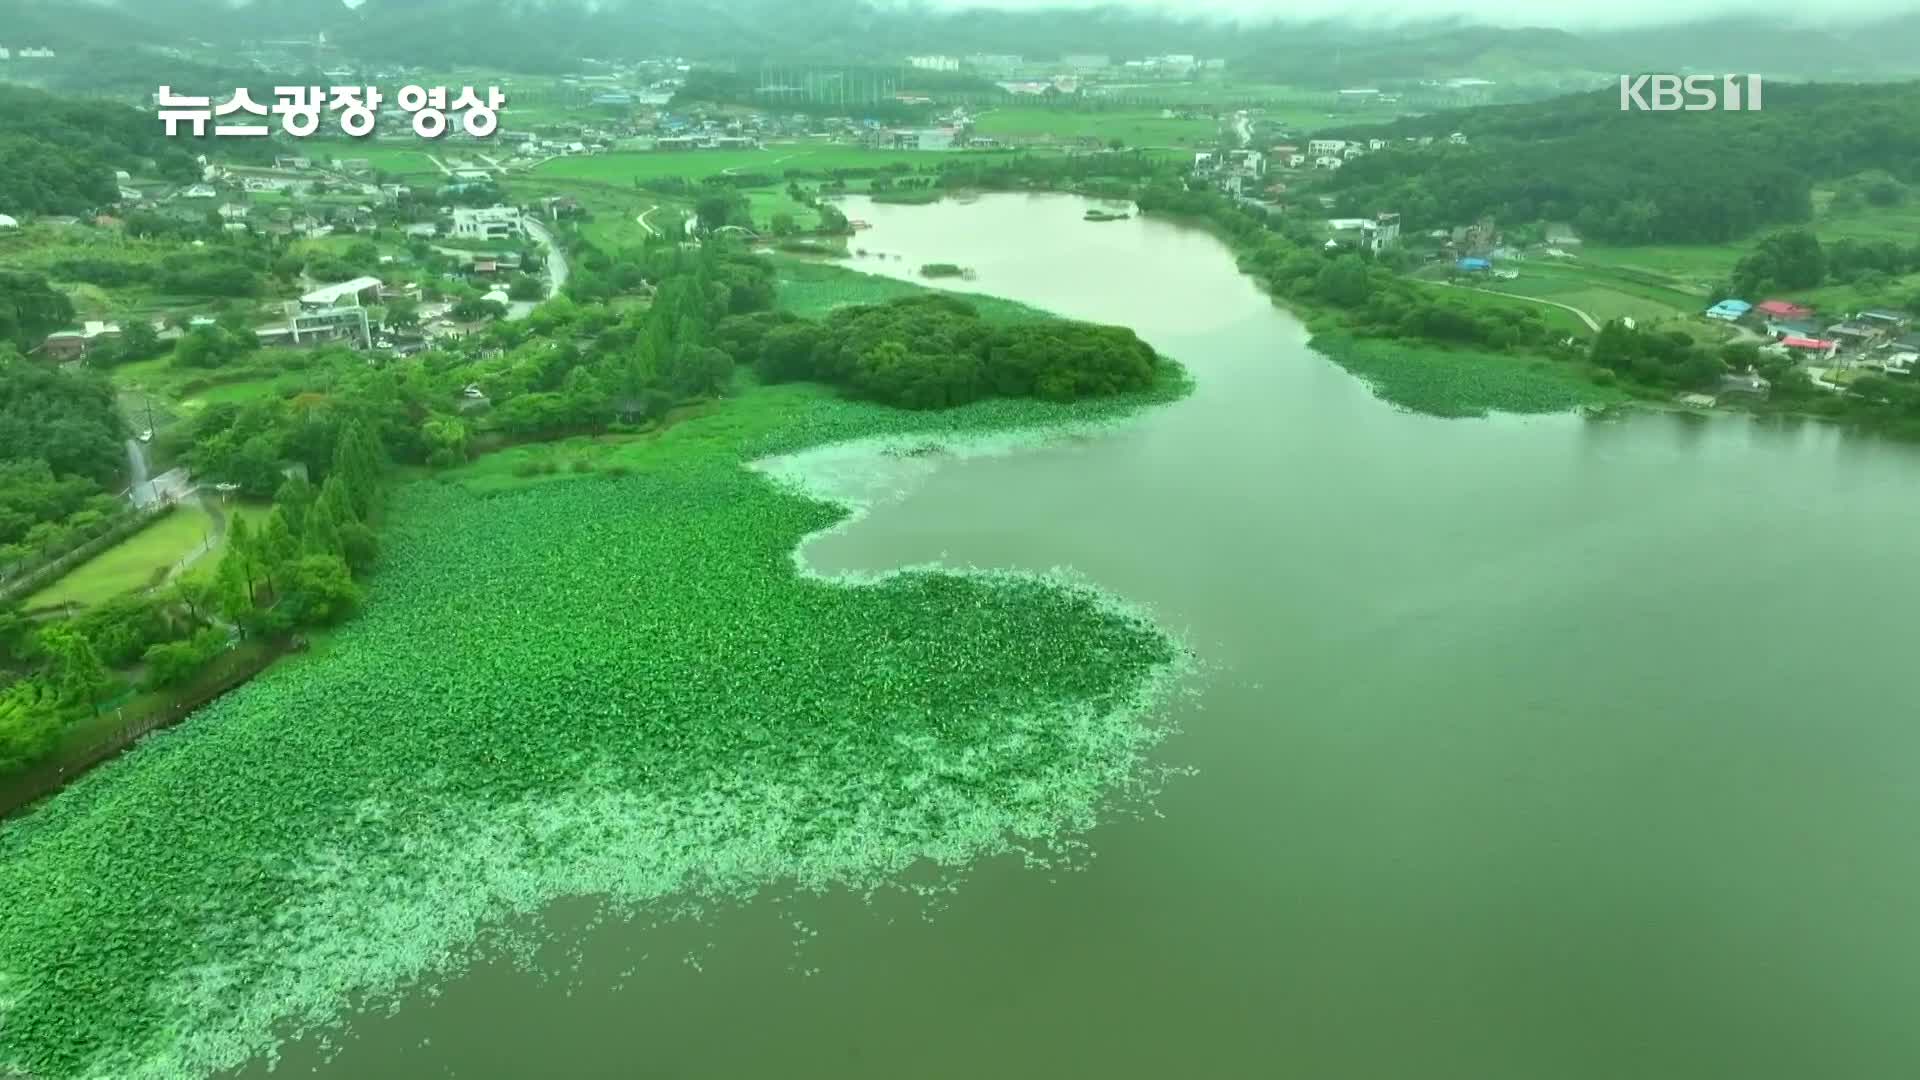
x=1592 y=323
x=557 y=269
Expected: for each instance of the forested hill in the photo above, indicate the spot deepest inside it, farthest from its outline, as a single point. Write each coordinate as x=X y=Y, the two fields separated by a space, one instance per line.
x=60 y=153
x=1636 y=177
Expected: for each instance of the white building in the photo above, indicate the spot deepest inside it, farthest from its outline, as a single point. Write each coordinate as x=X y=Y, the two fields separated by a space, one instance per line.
x=1375 y=234
x=1318 y=147
x=488 y=223
x=934 y=63
x=1327 y=161
x=348 y=293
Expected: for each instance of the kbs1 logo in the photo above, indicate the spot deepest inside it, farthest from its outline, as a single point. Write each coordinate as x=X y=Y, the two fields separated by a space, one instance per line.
x=1671 y=93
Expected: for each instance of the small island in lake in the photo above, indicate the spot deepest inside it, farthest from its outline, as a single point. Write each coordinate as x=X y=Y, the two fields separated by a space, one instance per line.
x=1106 y=215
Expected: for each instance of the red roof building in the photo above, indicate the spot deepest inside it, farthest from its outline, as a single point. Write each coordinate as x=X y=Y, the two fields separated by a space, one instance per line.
x=1820 y=344
x=1782 y=309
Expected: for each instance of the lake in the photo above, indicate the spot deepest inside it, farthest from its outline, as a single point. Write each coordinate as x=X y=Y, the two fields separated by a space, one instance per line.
x=1542 y=747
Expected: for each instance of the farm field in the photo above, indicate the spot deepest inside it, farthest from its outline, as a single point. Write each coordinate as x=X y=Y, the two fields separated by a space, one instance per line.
x=625 y=168
x=401 y=158
x=1141 y=128
x=1601 y=292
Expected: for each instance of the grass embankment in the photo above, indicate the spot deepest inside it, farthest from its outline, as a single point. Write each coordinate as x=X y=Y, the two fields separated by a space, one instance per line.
x=1463 y=382
x=610 y=683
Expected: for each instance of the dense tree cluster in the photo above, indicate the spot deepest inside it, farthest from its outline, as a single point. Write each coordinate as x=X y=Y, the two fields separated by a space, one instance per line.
x=61 y=153
x=60 y=449
x=1636 y=178
x=1792 y=259
x=30 y=308
x=929 y=352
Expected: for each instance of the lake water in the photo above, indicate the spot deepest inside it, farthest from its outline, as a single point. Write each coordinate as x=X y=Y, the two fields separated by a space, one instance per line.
x=1528 y=748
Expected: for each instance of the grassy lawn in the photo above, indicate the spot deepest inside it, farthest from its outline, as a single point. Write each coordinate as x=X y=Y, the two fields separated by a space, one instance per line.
x=131 y=564
x=1135 y=128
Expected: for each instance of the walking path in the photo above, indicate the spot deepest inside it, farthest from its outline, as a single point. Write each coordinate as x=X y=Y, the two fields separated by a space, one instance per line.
x=642 y=220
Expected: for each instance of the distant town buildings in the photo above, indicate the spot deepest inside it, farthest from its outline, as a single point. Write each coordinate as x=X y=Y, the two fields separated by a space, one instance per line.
x=934 y=63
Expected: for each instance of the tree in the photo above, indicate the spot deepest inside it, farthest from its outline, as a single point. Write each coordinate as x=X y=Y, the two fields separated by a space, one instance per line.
x=320 y=592
x=782 y=224
x=200 y=597
x=699 y=370
x=403 y=313
x=357 y=462
x=77 y=675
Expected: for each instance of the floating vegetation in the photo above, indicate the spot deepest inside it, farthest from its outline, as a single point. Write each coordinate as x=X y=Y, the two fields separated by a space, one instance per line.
x=610 y=684
x=1461 y=382
x=1105 y=215
x=814 y=289
x=939 y=270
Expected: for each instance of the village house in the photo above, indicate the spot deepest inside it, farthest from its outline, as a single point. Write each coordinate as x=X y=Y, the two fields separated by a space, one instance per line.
x=1729 y=310
x=1319 y=147
x=1886 y=321
x=67 y=345
x=1855 y=334
x=1327 y=161
x=1376 y=234
x=1782 y=309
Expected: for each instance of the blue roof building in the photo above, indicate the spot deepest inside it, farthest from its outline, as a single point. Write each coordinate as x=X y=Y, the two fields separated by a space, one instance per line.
x=1729 y=310
x=1473 y=264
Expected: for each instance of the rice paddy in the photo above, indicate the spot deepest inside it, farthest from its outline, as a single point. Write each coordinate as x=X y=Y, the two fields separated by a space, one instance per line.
x=614 y=684
x=1462 y=382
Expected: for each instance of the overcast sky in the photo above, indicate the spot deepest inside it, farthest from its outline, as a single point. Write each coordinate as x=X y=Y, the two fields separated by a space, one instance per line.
x=1564 y=14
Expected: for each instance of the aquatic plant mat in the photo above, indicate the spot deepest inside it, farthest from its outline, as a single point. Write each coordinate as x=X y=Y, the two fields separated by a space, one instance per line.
x=1462 y=382
x=611 y=683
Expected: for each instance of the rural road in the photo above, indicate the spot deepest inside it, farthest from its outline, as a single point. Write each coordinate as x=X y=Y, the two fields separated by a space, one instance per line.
x=139 y=474
x=556 y=259
x=642 y=220
x=1592 y=323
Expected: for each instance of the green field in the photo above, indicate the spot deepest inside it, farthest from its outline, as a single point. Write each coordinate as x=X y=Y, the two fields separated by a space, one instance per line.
x=131 y=564
x=625 y=168
x=1602 y=292
x=404 y=159
x=1141 y=128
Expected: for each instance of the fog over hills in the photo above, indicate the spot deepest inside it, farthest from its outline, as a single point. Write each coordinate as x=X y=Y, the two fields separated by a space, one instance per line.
x=1313 y=43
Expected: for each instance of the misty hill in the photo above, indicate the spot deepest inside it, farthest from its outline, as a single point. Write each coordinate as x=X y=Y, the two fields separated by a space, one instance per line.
x=1638 y=177
x=553 y=35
